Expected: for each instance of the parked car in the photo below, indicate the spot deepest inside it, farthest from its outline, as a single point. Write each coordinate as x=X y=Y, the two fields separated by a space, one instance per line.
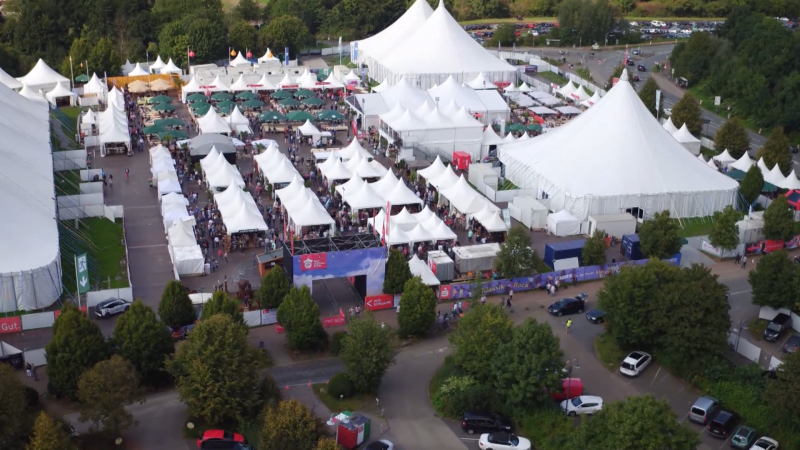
x=569 y=305
x=382 y=444
x=743 y=437
x=723 y=424
x=484 y=422
x=635 y=363
x=637 y=51
x=791 y=345
x=219 y=435
x=596 y=316
x=585 y=404
x=570 y=388
x=777 y=326
x=108 y=308
x=765 y=443
x=641 y=68
x=703 y=409
x=635 y=78
x=631 y=63
x=180 y=333
x=667 y=111
x=503 y=441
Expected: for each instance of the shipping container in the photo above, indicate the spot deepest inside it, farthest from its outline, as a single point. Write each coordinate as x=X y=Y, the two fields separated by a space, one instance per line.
x=563 y=250
x=616 y=225
x=441 y=265
x=353 y=430
x=630 y=248
x=475 y=257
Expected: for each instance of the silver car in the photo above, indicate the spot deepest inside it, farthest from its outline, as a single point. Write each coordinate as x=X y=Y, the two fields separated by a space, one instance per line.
x=112 y=306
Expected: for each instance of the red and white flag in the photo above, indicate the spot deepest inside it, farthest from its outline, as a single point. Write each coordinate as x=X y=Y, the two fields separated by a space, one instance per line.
x=625 y=63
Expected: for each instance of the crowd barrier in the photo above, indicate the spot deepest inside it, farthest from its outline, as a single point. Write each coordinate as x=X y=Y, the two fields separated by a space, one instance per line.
x=69 y=160
x=29 y=322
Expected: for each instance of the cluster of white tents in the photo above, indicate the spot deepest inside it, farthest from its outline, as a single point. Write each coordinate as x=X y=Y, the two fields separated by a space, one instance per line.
x=773 y=176
x=275 y=167
x=428 y=46
x=408 y=228
x=213 y=123
x=186 y=254
x=303 y=207
x=218 y=172
x=112 y=123
x=349 y=162
x=255 y=83
x=165 y=178
x=41 y=83
x=238 y=209
x=158 y=66
x=683 y=136
x=578 y=95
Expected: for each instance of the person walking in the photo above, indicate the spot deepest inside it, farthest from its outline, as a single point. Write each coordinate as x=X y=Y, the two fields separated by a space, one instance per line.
x=454 y=310
x=127 y=173
x=510 y=294
x=569 y=324
x=738 y=258
x=460 y=309
x=744 y=262
x=508 y=304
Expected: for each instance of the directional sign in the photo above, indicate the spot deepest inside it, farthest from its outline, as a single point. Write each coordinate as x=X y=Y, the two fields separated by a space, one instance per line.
x=82 y=273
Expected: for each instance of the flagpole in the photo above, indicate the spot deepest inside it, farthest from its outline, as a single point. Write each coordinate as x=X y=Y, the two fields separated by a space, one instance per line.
x=71 y=73
x=75 y=259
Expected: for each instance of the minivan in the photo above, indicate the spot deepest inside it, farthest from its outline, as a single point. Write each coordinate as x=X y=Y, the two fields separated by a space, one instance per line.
x=703 y=409
x=723 y=424
x=777 y=327
x=484 y=422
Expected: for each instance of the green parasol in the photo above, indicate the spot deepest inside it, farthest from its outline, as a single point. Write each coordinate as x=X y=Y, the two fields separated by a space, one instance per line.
x=154 y=129
x=330 y=115
x=515 y=127
x=160 y=99
x=82 y=78
x=303 y=93
x=198 y=105
x=300 y=116
x=281 y=94
x=169 y=122
x=313 y=101
x=163 y=107
x=253 y=104
x=533 y=127
x=202 y=110
x=271 y=116
x=198 y=97
x=247 y=95
x=173 y=134
x=221 y=96
x=289 y=102
x=226 y=107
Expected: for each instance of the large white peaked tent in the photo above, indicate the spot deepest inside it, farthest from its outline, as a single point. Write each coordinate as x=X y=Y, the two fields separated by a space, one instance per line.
x=137 y=71
x=686 y=139
x=43 y=77
x=379 y=44
x=9 y=81
x=651 y=170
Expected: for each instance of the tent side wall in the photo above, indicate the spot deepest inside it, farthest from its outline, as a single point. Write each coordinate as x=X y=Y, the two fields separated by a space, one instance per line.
x=31 y=289
x=616 y=225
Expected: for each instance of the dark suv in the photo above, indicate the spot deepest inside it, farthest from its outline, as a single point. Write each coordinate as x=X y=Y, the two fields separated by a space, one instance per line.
x=723 y=424
x=777 y=327
x=569 y=305
x=482 y=422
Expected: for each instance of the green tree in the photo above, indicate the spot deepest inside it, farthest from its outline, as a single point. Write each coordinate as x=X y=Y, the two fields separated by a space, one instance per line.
x=615 y=74
x=242 y=36
x=142 y=339
x=783 y=392
x=176 y=9
x=367 y=353
x=583 y=22
x=648 y=95
x=104 y=58
x=289 y=425
x=284 y=31
x=248 y=10
x=774 y=281
x=417 y=309
x=105 y=390
x=49 y=435
x=505 y=34
x=207 y=38
x=732 y=136
x=274 y=287
x=77 y=345
x=778 y=220
x=659 y=236
x=221 y=303
x=482 y=330
x=516 y=258
x=173 y=40
x=397 y=273
x=310 y=12
x=633 y=424
x=175 y=308
x=215 y=371
x=594 y=249
x=687 y=111
x=12 y=404
x=776 y=151
x=752 y=184
x=299 y=315
x=725 y=233
x=528 y=367
x=327 y=444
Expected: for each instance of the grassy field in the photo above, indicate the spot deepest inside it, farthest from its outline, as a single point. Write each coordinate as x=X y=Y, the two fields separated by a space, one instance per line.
x=108 y=252
x=67 y=182
x=554 y=19
x=698 y=226
x=756 y=328
x=607 y=351
x=553 y=77
x=583 y=72
x=701 y=93
x=336 y=405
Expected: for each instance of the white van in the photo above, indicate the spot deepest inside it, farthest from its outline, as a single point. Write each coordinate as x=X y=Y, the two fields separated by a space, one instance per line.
x=658 y=23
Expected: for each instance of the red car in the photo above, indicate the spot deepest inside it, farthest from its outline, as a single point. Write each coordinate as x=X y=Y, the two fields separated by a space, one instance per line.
x=571 y=388
x=220 y=435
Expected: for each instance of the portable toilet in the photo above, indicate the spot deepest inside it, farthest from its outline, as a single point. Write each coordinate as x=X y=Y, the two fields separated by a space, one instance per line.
x=352 y=430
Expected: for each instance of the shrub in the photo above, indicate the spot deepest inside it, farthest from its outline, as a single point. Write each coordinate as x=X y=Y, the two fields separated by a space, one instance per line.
x=31 y=397
x=336 y=342
x=460 y=393
x=548 y=427
x=340 y=386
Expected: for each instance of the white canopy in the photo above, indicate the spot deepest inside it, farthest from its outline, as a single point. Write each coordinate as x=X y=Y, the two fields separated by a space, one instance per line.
x=188 y=261
x=444 y=179
x=127 y=67
x=367 y=169
x=382 y=87
x=525 y=136
x=95 y=86
x=490 y=219
x=42 y=76
x=404 y=93
x=541 y=110
x=407 y=24
x=268 y=56
x=61 y=90
x=174 y=198
x=168 y=184
x=744 y=163
x=353 y=185
x=192 y=86
x=335 y=170
x=286 y=81
x=9 y=81
x=294 y=189
x=669 y=126
x=311 y=213
x=352 y=77
x=171 y=68
x=213 y=123
x=158 y=65
x=308 y=129
x=282 y=172
x=491 y=138
x=579 y=95
x=563 y=223
x=481 y=82
x=172 y=213
x=332 y=82
x=363 y=198
x=568 y=110
x=240 y=61
x=775 y=176
x=791 y=181
x=419 y=268
x=509 y=138
x=724 y=158
x=763 y=166
x=686 y=139
x=29 y=93
x=88 y=117
x=264 y=85
x=219 y=85
x=137 y=71
x=567 y=89
x=463 y=198
x=223 y=175
x=353 y=148
x=400 y=194
x=237 y=118
x=590 y=102
x=396 y=234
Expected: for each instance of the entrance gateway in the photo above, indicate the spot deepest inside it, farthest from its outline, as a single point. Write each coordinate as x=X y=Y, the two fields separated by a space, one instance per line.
x=360 y=259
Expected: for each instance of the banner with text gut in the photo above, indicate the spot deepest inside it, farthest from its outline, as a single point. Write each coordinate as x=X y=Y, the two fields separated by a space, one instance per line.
x=82 y=273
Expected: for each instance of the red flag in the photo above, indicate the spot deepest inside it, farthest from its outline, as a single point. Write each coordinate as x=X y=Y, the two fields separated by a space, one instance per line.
x=625 y=63
x=383 y=235
x=292 y=236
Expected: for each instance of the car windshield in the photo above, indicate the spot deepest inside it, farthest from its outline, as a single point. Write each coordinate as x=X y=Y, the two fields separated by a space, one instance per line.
x=773 y=326
x=577 y=401
x=227 y=435
x=514 y=441
x=739 y=439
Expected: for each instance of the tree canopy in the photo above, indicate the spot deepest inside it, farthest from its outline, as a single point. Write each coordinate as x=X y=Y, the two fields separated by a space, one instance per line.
x=732 y=136
x=725 y=233
x=144 y=341
x=221 y=303
x=659 y=236
x=104 y=392
x=776 y=151
x=367 y=353
x=397 y=273
x=783 y=391
x=482 y=330
x=752 y=184
x=274 y=287
x=417 y=309
x=12 y=404
x=175 y=308
x=299 y=315
x=288 y=425
x=49 y=434
x=779 y=220
x=774 y=281
x=687 y=111
x=284 y=31
x=648 y=96
x=594 y=249
x=516 y=258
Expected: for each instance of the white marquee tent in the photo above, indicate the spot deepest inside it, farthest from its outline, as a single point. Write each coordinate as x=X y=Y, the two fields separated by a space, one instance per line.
x=213 y=123
x=481 y=82
x=240 y=61
x=379 y=44
x=463 y=198
x=268 y=57
x=35 y=96
x=434 y=170
x=419 y=268
x=669 y=126
x=137 y=71
x=562 y=223
x=724 y=158
x=9 y=81
x=43 y=77
x=686 y=139
x=157 y=65
x=171 y=68
x=60 y=91
x=744 y=163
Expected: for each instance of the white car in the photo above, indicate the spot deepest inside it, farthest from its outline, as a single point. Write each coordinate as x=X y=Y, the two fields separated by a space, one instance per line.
x=382 y=444
x=635 y=363
x=584 y=404
x=667 y=111
x=765 y=443
x=112 y=306
x=503 y=441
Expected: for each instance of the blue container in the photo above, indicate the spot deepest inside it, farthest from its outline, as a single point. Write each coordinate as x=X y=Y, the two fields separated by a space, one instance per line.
x=630 y=248
x=563 y=250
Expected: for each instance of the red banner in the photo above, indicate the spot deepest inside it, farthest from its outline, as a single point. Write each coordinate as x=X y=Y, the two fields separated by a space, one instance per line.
x=289 y=86
x=322 y=83
x=379 y=302
x=432 y=265
x=336 y=321
x=444 y=292
x=502 y=84
x=10 y=325
x=314 y=262
x=57 y=312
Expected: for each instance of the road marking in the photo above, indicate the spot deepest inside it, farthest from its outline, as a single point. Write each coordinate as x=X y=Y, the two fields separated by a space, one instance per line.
x=469 y=439
x=441 y=350
x=739 y=292
x=655 y=377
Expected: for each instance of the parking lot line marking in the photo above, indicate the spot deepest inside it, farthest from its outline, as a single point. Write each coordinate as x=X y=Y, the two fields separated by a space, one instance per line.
x=739 y=292
x=655 y=377
x=469 y=439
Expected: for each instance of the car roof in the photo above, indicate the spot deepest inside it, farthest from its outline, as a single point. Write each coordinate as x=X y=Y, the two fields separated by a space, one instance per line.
x=105 y=302
x=723 y=415
x=213 y=434
x=596 y=312
x=793 y=338
x=591 y=399
x=635 y=356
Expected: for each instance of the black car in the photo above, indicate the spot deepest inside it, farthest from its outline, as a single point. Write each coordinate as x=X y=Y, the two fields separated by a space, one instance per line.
x=723 y=424
x=483 y=422
x=641 y=68
x=596 y=316
x=569 y=305
x=635 y=78
x=631 y=63
x=791 y=345
x=777 y=326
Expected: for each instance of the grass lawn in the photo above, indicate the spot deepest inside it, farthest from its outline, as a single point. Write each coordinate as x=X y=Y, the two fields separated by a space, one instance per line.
x=698 y=226
x=707 y=99
x=67 y=182
x=607 y=351
x=553 y=77
x=756 y=328
x=105 y=254
x=583 y=72
x=547 y=427
x=336 y=405
x=540 y=266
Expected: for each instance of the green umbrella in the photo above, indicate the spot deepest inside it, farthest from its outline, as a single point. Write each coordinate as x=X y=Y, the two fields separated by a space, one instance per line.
x=303 y=93
x=299 y=116
x=330 y=115
x=198 y=105
x=253 y=104
x=225 y=109
x=202 y=110
x=154 y=129
x=220 y=96
x=164 y=107
x=515 y=127
x=160 y=99
x=197 y=97
x=82 y=78
x=173 y=134
x=289 y=102
x=271 y=116
x=313 y=101
x=247 y=95
x=169 y=122
x=226 y=104
x=281 y=94
x=534 y=127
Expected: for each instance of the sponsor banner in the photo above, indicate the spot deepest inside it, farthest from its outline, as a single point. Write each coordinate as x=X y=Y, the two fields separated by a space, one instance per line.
x=766 y=247
x=379 y=302
x=432 y=265
x=57 y=312
x=334 y=321
x=289 y=86
x=269 y=316
x=316 y=261
x=707 y=247
x=502 y=84
x=10 y=325
x=444 y=291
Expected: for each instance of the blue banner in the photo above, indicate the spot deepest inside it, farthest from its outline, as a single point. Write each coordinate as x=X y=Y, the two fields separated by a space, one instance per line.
x=286 y=56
